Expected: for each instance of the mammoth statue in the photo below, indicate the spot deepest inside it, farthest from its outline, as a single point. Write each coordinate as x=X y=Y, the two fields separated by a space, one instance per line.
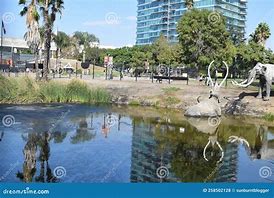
x=266 y=76
x=209 y=107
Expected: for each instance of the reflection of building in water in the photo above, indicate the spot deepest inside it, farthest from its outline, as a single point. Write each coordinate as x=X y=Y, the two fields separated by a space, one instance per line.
x=228 y=169
x=146 y=156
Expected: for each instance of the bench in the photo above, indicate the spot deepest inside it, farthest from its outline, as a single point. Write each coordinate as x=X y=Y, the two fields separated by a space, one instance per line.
x=161 y=78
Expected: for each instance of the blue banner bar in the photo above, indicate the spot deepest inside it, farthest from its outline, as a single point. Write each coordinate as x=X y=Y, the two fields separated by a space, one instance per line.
x=137 y=190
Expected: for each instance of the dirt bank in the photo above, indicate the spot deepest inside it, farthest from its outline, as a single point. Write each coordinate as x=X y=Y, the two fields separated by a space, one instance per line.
x=178 y=95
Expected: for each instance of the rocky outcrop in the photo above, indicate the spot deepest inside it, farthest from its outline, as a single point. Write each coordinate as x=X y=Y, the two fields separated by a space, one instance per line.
x=206 y=108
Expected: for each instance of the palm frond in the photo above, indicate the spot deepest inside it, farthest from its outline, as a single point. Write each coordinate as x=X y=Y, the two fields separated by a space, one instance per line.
x=24 y=11
x=22 y=2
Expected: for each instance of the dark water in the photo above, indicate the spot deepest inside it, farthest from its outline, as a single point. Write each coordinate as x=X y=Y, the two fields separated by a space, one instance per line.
x=103 y=144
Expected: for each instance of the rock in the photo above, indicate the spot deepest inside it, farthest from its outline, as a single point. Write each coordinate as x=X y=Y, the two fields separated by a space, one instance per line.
x=206 y=108
x=121 y=99
x=207 y=126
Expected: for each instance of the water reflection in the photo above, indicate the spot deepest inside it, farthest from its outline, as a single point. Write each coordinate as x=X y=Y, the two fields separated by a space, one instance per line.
x=84 y=132
x=1 y=135
x=111 y=144
x=36 y=142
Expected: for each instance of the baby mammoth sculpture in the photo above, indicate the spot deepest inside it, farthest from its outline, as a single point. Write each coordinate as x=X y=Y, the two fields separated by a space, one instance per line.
x=209 y=107
x=266 y=76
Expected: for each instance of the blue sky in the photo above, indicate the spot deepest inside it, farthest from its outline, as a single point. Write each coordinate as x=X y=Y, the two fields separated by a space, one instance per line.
x=114 y=21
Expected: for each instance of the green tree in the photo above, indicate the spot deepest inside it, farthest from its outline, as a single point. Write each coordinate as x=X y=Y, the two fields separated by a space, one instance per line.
x=93 y=54
x=261 y=34
x=203 y=40
x=163 y=52
x=248 y=54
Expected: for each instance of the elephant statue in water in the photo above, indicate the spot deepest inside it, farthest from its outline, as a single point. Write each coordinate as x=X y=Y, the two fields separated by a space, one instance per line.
x=266 y=76
x=211 y=106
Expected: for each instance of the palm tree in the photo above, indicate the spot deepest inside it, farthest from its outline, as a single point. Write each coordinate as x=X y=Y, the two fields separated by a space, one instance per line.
x=261 y=34
x=32 y=36
x=189 y=4
x=85 y=38
x=49 y=9
x=61 y=40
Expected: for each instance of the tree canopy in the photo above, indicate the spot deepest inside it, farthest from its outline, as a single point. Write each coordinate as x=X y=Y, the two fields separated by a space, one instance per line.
x=203 y=39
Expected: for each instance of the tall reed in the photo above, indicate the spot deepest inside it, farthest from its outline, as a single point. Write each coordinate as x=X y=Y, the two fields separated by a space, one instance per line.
x=25 y=90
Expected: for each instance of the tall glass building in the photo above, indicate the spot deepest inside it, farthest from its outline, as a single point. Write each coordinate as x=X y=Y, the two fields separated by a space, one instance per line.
x=156 y=17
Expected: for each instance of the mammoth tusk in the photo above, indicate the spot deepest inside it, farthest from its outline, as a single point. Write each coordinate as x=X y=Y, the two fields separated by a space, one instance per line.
x=209 y=75
x=246 y=85
x=234 y=82
x=238 y=84
x=244 y=82
x=227 y=72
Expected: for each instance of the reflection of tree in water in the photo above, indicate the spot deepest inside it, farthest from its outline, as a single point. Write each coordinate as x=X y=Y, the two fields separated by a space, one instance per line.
x=255 y=150
x=29 y=166
x=83 y=133
x=263 y=145
x=58 y=136
x=35 y=142
x=44 y=158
